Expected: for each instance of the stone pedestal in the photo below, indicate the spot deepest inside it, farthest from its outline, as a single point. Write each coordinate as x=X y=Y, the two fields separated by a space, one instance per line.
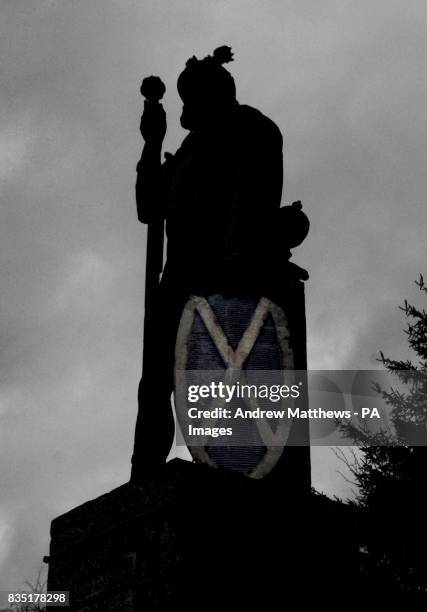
x=192 y=537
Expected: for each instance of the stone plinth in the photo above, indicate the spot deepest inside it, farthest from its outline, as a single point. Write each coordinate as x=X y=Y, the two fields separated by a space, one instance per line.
x=199 y=538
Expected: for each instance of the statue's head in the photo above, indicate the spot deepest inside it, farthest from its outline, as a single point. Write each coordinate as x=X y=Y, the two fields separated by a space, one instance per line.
x=207 y=89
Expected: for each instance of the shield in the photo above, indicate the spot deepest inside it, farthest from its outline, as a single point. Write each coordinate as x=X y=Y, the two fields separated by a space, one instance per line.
x=232 y=340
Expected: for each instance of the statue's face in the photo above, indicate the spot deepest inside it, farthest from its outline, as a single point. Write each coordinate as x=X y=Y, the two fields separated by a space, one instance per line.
x=203 y=112
x=207 y=97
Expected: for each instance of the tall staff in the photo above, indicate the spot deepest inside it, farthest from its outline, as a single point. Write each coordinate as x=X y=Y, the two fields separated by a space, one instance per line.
x=153 y=127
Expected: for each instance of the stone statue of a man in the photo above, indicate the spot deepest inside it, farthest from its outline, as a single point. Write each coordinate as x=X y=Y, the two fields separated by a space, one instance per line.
x=219 y=195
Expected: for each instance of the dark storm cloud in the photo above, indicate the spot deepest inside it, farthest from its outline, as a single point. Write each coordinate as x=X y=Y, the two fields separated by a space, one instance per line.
x=345 y=83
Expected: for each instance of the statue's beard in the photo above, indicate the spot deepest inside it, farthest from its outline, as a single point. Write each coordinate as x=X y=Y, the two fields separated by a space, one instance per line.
x=192 y=120
x=205 y=117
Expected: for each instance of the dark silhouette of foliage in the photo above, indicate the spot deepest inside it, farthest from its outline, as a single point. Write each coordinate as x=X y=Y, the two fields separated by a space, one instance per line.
x=392 y=479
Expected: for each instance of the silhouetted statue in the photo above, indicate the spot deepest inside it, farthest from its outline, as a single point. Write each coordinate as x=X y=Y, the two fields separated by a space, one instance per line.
x=220 y=196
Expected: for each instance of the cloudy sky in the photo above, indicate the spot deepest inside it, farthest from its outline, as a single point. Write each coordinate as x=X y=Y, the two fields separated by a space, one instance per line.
x=345 y=81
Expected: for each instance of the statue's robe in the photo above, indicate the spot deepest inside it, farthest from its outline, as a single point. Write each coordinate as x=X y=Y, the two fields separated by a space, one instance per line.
x=218 y=195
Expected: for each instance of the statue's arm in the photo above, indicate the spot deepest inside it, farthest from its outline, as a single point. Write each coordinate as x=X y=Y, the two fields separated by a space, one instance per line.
x=265 y=172
x=257 y=193
x=150 y=180
x=259 y=182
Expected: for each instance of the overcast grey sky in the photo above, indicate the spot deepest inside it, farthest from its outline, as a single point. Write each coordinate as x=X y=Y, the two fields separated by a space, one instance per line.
x=344 y=80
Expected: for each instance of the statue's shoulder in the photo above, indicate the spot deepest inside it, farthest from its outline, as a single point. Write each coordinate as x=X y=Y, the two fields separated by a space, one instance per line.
x=256 y=122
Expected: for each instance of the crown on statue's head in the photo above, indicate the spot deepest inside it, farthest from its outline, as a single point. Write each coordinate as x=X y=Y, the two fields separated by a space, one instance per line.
x=208 y=74
x=221 y=55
